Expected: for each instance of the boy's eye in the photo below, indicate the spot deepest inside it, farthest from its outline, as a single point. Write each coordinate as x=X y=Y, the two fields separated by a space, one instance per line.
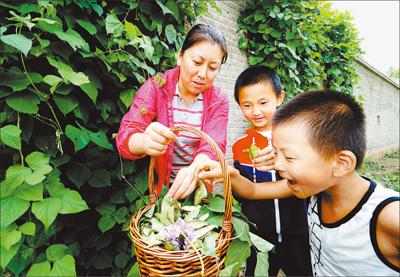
x=196 y=62
x=264 y=103
x=212 y=68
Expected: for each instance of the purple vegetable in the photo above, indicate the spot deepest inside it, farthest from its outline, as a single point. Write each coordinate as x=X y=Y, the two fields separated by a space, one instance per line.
x=179 y=234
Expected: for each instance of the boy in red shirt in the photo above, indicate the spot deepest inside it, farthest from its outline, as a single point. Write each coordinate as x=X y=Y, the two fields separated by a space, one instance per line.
x=283 y=222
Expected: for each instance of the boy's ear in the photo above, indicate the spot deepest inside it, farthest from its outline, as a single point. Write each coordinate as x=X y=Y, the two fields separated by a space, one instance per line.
x=345 y=163
x=281 y=97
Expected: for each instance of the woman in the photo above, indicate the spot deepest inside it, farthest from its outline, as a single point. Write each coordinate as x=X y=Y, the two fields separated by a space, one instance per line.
x=183 y=95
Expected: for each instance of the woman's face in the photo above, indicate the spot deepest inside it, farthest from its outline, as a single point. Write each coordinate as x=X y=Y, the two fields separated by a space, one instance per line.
x=199 y=65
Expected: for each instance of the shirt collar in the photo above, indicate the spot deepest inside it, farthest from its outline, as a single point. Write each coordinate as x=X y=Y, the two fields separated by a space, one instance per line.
x=178 y=93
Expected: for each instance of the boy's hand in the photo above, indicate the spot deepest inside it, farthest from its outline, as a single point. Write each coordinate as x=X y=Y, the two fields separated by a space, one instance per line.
x=156 y=139
x=209 y=170
x=265 y=159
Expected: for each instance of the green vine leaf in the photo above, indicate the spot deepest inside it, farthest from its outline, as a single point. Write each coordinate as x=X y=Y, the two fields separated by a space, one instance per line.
x=170 y=33
x=91 y=90
x=126 y=96
x=71 y=202
x=10 y=236
x=237 y=254
x=28 y=228
x=7 y=255
x=242 y=228
x=100 y=178
x=147 y=47
x=135 y=271
x=24 y=102
x=11 y=136
x=56 y=251
x=11 y=209
x=121 y=260
x=78 y=174
x=66 y=103
x=39 y=269
x=89 y=27
x=68 y=74
x=38 y=161
x=106 y=209
x=64 y=267
x=77 y=136
x=100 y=139
x=15 y=176
x=30 y=192
x=173 y=7
x=18 y=41
x=261 y=244
x=121 y=215
x=74 y=39
x=113 y=25
x=106 y=223
x=23 y=19
x=228 y=270
x=262 y=265
x=47 y=210
x=132 y=30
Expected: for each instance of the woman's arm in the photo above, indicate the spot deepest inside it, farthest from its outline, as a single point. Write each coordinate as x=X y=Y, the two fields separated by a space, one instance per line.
x=140 y=115
x=138 y=135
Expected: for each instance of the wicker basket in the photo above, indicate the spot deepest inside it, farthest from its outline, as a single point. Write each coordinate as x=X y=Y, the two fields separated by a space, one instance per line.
x=156 y=261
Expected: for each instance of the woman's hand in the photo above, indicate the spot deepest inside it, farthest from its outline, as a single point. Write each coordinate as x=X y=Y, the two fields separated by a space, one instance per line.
x=265 y=159
x=153 y=142
x=185 y=181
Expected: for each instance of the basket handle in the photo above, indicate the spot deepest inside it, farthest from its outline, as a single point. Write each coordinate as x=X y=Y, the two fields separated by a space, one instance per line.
x=226 y=178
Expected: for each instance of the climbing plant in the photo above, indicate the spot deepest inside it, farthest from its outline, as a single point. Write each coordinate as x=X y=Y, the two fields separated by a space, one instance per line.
x=69 y=70
x=308 y=44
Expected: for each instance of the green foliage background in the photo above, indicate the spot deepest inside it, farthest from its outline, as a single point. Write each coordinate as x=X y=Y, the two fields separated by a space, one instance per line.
x=309 y=45
x=69 y=69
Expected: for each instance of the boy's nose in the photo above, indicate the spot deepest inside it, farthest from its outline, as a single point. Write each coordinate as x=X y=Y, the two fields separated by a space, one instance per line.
x=256 y=110
x=279 y=165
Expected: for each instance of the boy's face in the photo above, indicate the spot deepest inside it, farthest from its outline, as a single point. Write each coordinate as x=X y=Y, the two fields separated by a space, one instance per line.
x=258 y=103
x=307 y=172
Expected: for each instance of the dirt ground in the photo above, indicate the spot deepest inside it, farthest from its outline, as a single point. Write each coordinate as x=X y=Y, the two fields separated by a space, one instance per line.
x=385 y=170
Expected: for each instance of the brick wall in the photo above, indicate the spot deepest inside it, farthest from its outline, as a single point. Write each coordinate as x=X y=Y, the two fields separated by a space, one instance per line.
x=236 y=63
x=381 y=95
x=381 y=105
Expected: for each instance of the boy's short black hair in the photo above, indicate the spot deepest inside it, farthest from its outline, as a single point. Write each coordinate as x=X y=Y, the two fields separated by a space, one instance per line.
x=257 y=74
x=335 y=121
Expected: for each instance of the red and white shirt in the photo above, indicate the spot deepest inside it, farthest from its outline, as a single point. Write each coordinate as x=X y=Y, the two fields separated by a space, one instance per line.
x=187 y=143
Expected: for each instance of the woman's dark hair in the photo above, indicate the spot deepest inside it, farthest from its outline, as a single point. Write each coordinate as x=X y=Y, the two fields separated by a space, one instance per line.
x=205 y=32
x=255 y=75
